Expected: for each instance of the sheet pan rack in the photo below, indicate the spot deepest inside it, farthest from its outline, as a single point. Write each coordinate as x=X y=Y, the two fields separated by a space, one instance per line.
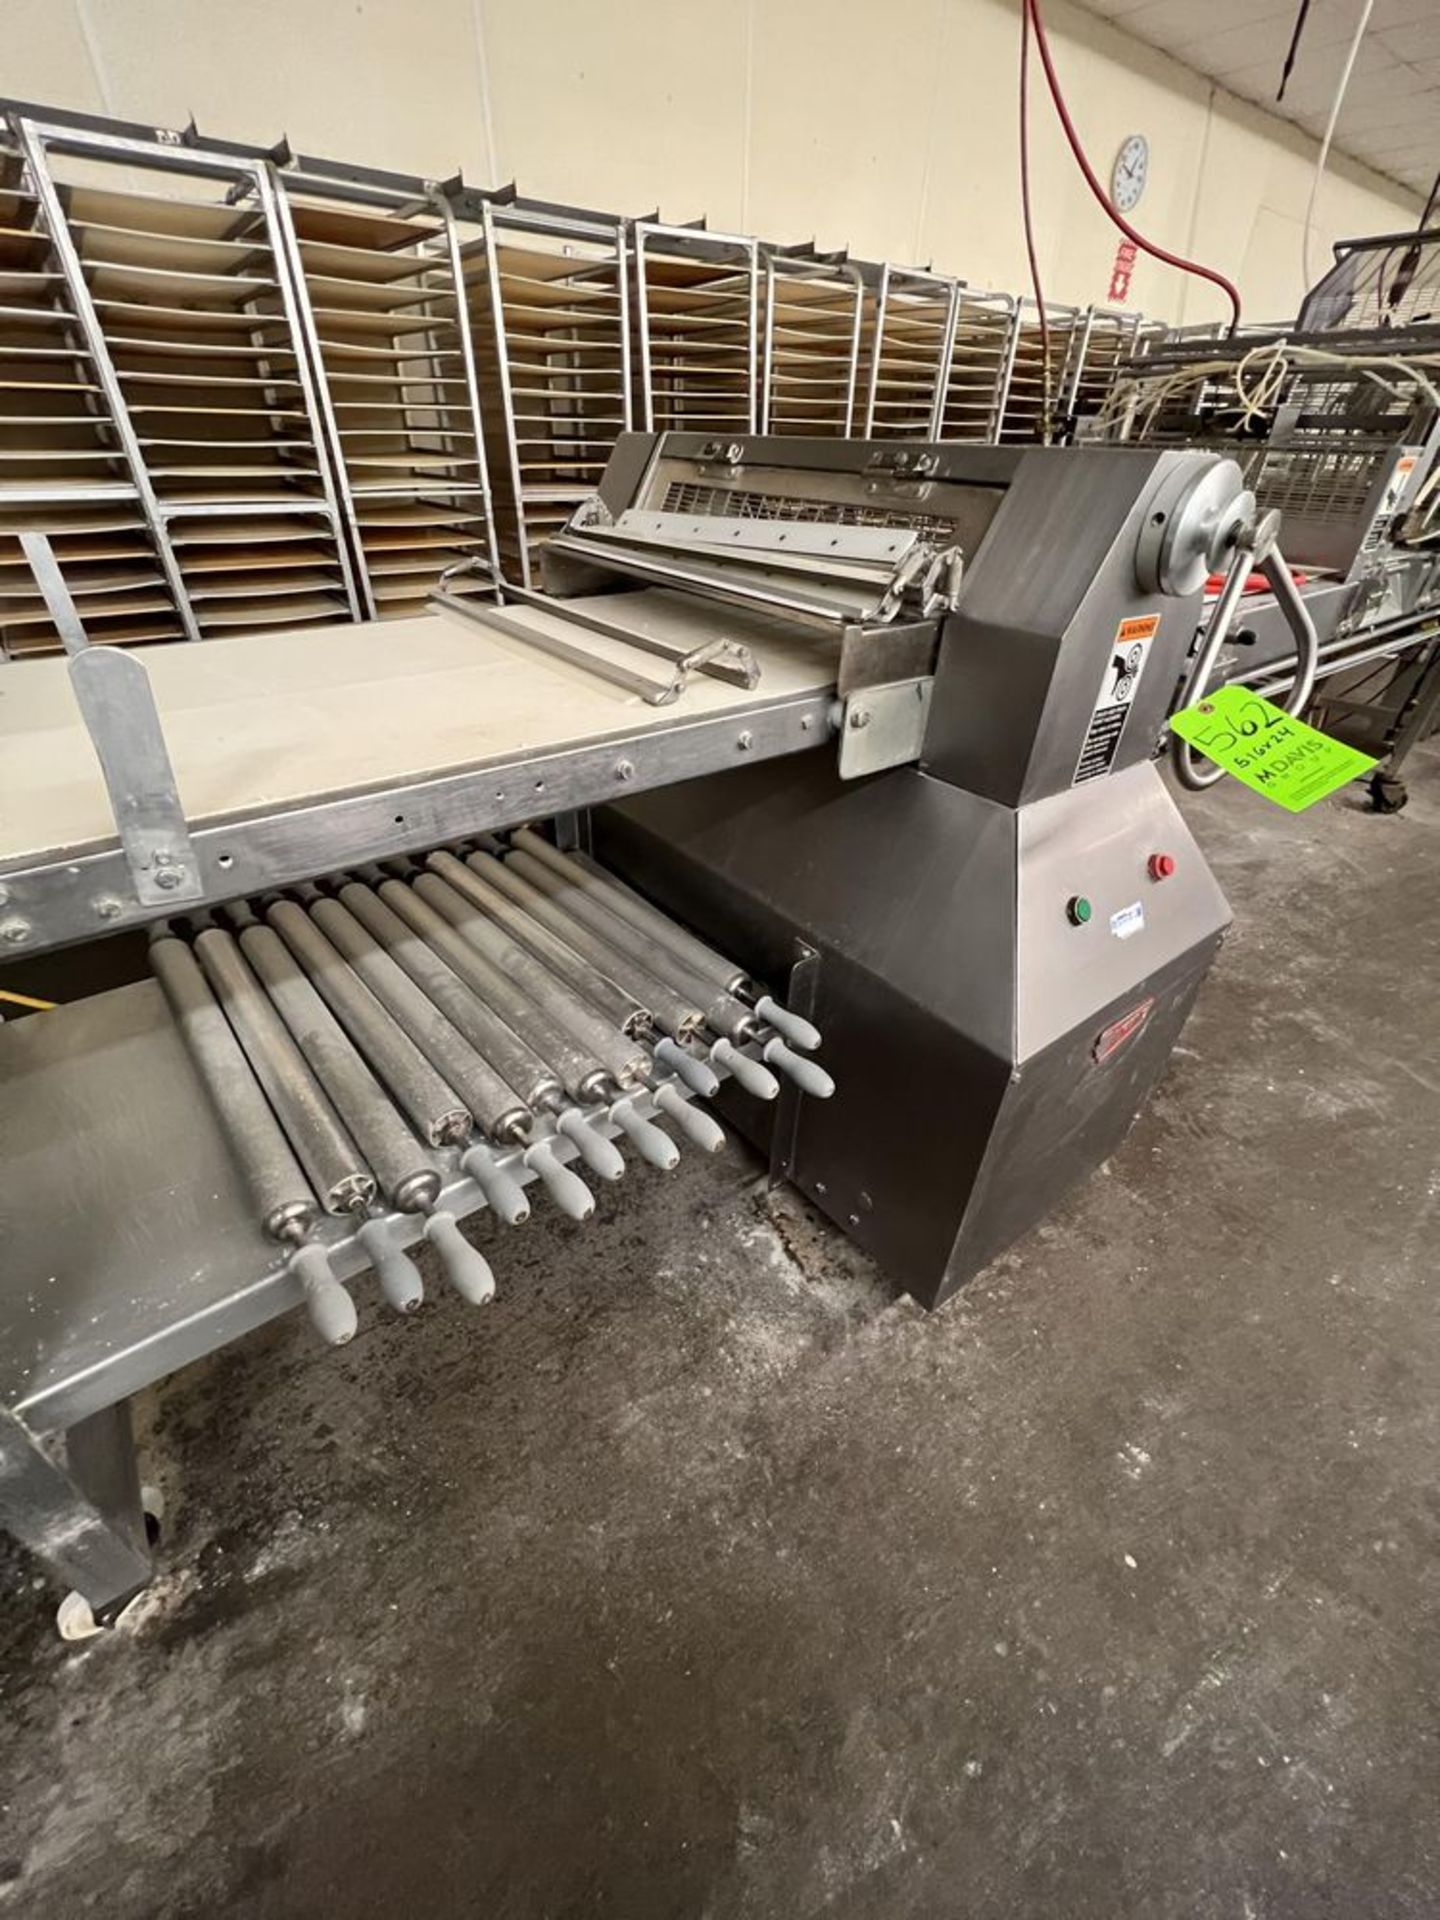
x=812 y=313
x=547 y=290
x=907 y=331
x=243 y=389
x=982 y=357
x=696 y=311
x=168 y=266
x=1036 y=374
x=379 y=269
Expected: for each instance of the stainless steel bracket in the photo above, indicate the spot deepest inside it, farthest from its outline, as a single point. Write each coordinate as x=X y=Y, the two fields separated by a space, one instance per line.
x=112 y=690
x=883 y=726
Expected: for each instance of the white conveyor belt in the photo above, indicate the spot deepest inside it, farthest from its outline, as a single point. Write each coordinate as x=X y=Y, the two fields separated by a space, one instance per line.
x=272 y=721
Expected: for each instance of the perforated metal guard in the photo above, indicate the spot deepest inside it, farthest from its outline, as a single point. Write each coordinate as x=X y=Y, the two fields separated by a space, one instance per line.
x=683 y=496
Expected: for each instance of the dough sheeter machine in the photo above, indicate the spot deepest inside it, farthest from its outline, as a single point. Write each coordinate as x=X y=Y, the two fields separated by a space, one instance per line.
x=817 y=791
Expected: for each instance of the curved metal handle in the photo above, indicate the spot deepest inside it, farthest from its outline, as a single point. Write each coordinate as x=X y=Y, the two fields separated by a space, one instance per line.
x=1276 y=569
x=1281 y=581
x=1188 y=771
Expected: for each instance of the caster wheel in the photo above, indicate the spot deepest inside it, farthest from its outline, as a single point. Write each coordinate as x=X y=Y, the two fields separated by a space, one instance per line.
x=152 y=1505
x=1388 y=793
x=75 y=1617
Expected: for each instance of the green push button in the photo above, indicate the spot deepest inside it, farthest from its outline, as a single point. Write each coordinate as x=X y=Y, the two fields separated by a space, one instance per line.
x=1078 y=910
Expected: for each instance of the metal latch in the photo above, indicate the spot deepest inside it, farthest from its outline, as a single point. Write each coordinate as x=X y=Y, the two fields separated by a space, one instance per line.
x=117 y=704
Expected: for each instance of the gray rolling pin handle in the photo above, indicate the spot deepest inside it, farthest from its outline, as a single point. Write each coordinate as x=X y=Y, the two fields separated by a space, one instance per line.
x=748 y=1073
x=331 y=1310
x=503 y=1191
x=693 y=1121
x=788 y=1025
x=809 y=1077
x=464 y=1266
x=696 y=1074
x=397 y=1273
x=600 y=1155
x=649 y=1142
x=566 y=1189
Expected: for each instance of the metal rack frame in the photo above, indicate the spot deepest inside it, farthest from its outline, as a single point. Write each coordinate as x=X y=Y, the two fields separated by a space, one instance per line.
x=401 y=196
x=247 y=174
x=804 y=267
x=975 y=307
x=893 y=286
x=651 y=239
x=500 y=216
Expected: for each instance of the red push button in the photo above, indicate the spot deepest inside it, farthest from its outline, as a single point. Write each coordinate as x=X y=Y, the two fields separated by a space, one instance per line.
x=1162 y=865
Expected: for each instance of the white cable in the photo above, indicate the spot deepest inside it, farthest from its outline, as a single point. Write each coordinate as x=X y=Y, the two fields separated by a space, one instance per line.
x=1324 y=153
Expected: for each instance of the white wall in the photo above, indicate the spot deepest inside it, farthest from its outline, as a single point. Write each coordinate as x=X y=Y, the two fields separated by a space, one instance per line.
x=885 y=125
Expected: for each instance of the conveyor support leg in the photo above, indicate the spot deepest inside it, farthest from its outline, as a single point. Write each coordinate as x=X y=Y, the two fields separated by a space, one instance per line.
x=82 y=1521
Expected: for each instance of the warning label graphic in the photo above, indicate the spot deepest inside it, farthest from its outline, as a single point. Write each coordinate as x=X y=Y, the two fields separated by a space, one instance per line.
x=1115 y=697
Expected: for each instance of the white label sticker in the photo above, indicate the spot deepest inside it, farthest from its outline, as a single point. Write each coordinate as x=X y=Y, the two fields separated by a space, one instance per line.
x=1128 y=920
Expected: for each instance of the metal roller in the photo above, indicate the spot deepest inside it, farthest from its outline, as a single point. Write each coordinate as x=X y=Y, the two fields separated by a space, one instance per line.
x=431 y=968
x=431 y=906
x=586 y=874
x=439 y=959
x=610 y=1000
x=719 y=1010
x=334 y=1163
x=672 y=1013
x=626 y=1061
x=406 y=1176
x=494 y=1105
x=436 y=1111
x=700 y=960
x=279 y=1188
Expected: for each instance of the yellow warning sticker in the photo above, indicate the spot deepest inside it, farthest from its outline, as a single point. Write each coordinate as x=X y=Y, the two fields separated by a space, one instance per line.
x=1288 y=761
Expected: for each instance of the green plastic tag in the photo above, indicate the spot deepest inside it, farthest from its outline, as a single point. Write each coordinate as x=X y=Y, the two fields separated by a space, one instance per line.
x=1289 y=762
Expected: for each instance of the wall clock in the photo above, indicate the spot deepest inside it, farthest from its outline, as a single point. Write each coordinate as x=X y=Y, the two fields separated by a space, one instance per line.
x=1127 y=178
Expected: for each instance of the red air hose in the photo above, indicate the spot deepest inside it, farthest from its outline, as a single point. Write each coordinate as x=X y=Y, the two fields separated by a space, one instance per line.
x=1025 y=205
x=1227 y=287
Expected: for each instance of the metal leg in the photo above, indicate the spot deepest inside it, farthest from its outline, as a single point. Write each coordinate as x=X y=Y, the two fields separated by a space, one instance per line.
x=1419 y=715
x=84 y=1521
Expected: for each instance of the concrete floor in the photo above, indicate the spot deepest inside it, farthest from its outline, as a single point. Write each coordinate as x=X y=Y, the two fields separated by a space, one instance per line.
x=700 y=1577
